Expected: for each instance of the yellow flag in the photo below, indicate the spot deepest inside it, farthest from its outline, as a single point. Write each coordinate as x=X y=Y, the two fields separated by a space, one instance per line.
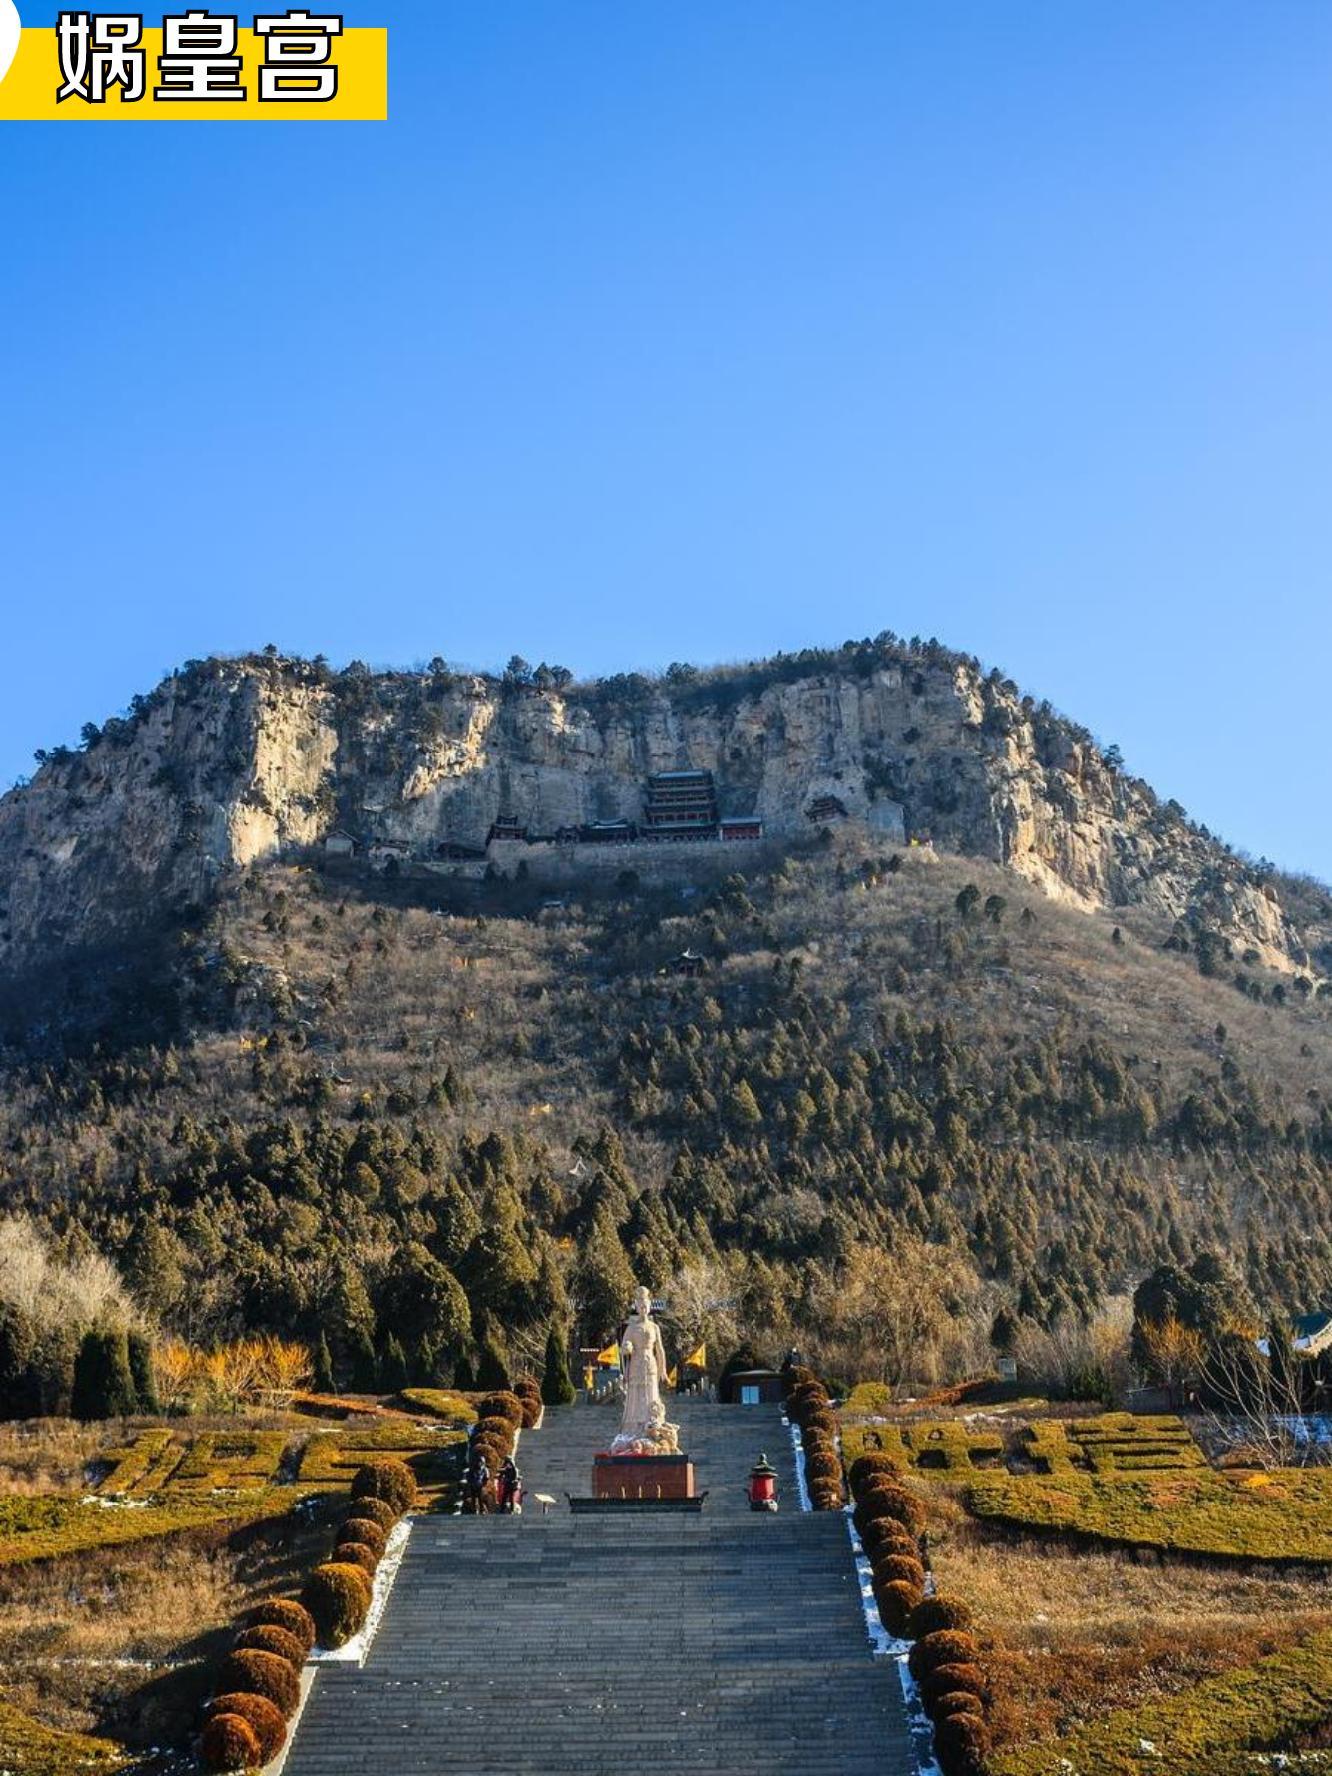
x=610 y=1356
x=699 y=1360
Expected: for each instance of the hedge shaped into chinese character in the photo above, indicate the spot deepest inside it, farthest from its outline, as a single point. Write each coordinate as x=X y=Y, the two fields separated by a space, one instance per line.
x=874 y=1439
x=143 y=1466
x=229 y=1461
x=1046 y=1445
x=949 y=1445
x=1120 y=1443
x=332 y=1458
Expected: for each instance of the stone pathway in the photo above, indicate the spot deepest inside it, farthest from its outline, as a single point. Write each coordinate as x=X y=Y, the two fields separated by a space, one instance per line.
x=723 y=1644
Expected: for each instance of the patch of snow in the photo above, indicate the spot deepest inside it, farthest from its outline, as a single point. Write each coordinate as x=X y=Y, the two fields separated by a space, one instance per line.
x=1316 y=1429
x=884 y=1645
x=798 y=1449
x=307 y=1684
x=353 y=1653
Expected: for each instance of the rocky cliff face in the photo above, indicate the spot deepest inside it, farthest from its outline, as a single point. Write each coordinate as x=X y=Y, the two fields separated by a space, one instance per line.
x=232 y=762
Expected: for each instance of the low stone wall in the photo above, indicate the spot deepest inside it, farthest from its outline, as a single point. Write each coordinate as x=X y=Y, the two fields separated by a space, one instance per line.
x=670 y=861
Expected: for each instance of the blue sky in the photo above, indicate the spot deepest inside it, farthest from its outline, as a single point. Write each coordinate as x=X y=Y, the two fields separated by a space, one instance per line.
x=693 y=331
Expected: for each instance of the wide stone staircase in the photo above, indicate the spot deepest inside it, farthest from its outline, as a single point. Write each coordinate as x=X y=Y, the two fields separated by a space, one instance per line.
x=725 y=1643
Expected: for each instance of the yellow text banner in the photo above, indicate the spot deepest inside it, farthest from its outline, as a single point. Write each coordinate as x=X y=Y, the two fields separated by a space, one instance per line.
x=360 y=55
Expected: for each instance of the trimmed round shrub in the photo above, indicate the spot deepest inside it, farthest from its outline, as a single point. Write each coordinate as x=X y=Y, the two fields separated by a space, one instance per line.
x=945 y=1679
x=501 y=1429
x=501 y=1404
x=357 y=1554
x=337 y=1595
x=261 y=1674
x=886 y=1533
x=268 y=1639
x=386 y=1479
x=810 y=1396
x=285 y=1612
x=825 y=1495
x=365 y=1531
x=819 y=1420
x=899 y=1566
x=529 y=1394
x=960 y=1743
x=896 y=1600
x=803 y=1412
x=874 y=1483
x=940 y=1612
x=263 y=1717
x=823 y=1467
x=899 y=1504
x=378 y=1510
x=949 y=1702
x=865 y=1465
x=947 y=1646
x=229 y=1742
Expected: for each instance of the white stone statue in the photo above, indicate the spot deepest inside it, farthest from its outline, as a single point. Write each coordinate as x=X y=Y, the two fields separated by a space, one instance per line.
x=644 y=1430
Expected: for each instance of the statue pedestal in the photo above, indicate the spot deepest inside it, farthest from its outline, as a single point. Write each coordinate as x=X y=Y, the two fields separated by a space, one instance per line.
x=645 y=1479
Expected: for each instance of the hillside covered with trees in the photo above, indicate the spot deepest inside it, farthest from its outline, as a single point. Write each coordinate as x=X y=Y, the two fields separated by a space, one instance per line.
x=415 y=1119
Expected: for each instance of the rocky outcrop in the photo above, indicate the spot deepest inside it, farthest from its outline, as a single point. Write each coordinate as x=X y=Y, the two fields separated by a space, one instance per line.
x=229 y=763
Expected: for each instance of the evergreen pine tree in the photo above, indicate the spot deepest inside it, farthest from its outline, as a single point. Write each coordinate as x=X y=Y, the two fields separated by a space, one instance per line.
x=153 y=1266
x=141 y=1372
x=103 y=1384
x=1003 y=1330
x=86 y=1401
x=20 y=1374
x=427 y=1365
x=362 y=1361
x=556 y=1387
x=323 y=1366
x=393 y=1367
x=491 y=1369
x=464 y=1377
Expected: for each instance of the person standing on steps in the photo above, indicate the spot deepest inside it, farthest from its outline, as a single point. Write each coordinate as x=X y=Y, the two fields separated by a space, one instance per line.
x=507 y=1486
x=475 y=1482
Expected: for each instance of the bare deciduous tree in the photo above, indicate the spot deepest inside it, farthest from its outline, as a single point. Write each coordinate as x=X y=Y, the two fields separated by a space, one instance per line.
x=86 y=1291
x=1176 y=1355
x=1255 y=1404
x=900 y=1313
x=1075 y=1357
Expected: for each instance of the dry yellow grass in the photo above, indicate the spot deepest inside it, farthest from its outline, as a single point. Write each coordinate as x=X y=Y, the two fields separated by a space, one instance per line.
x=1134 y=994
x=122 y=1643
x=47 y=1455
x=1069 y=1635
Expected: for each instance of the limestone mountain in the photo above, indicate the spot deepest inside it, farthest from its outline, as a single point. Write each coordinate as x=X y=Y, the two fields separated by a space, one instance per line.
x=420 y=1012
x=232 y=762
